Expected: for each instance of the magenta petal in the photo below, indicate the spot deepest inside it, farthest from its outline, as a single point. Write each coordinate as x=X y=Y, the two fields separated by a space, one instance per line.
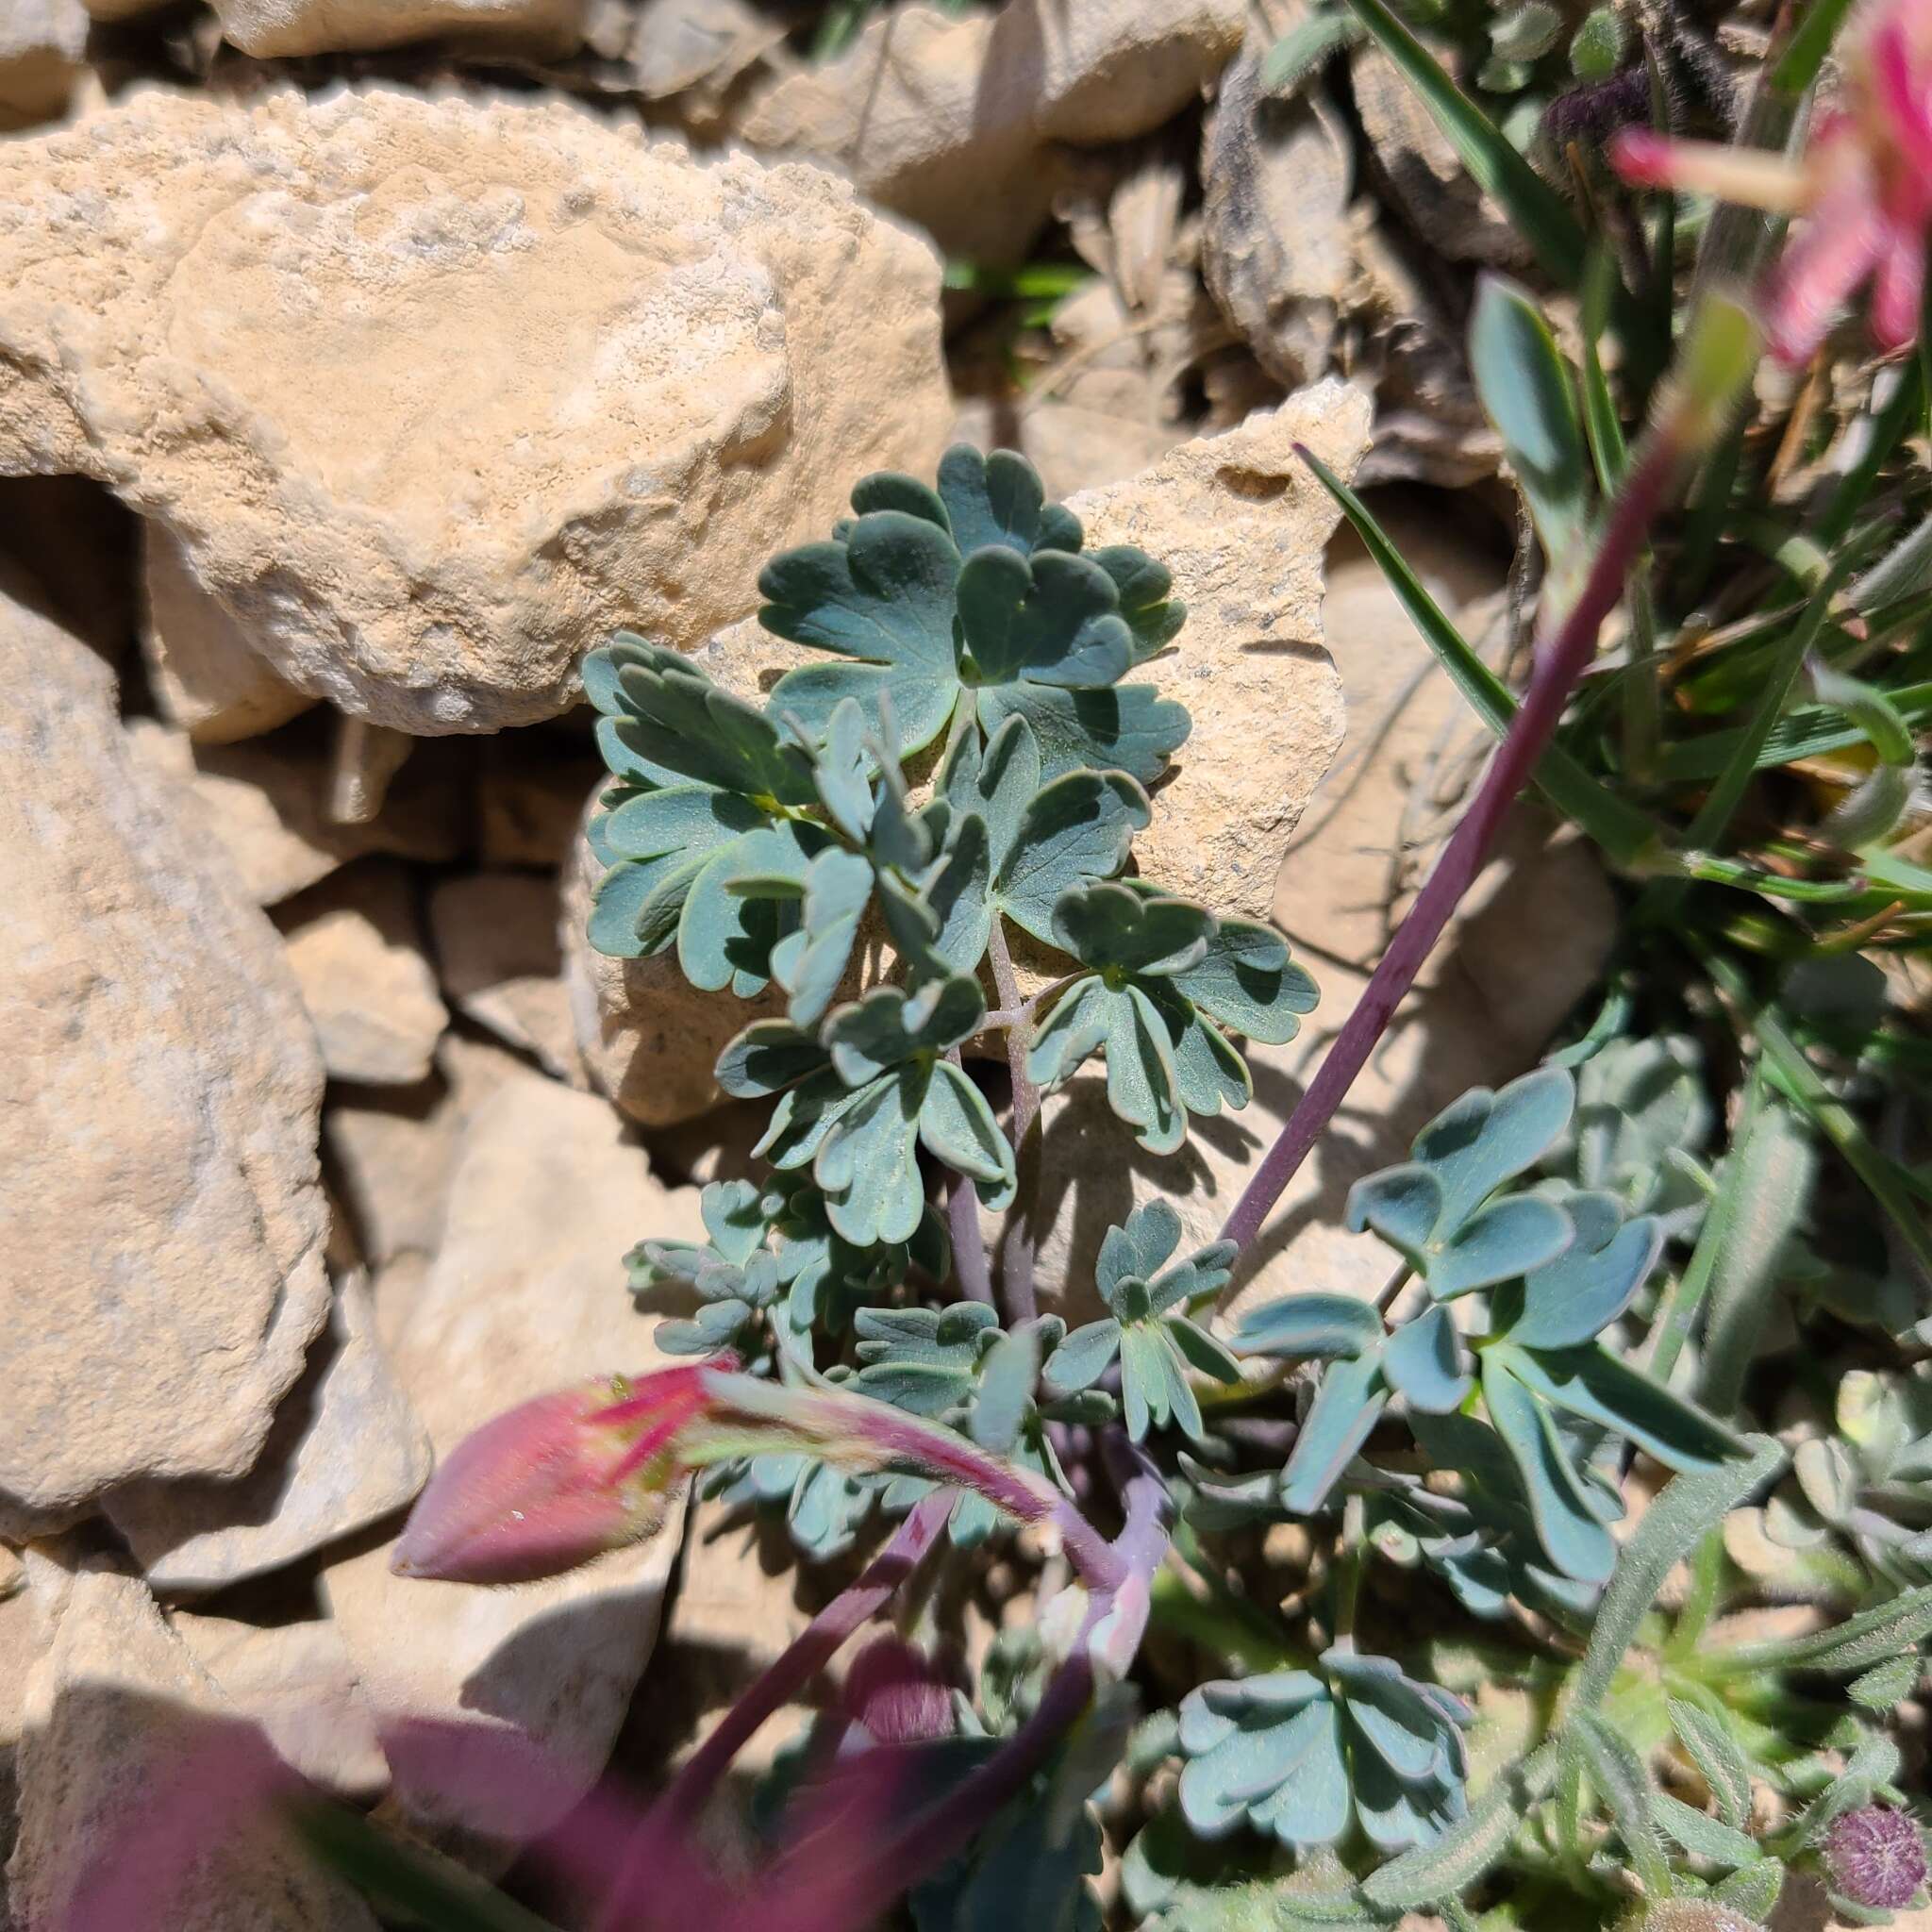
x=1898 y=291
x=1904 y=98
x=1821 y=271
x=527 y=1495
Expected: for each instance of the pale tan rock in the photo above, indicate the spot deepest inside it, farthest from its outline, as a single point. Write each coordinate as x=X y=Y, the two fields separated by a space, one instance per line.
x=266 y=803
x=497 y=953
x=355 y=947
x=1275 y=243
x=345 y=1451
x=951 y=119
x=1240 y=522
x=527 y=1293
x=529 y=795
x=1075 y=446
x=124 y=1730
x=80 y=551
x=123 y=9
x=296 y=1682
x=737 y=1611
x=1449 y=213
x=648 y=1038
x=279 y=28
x=206 y=677
x=251 y=338
x=42 y=45
x=159 y=1192
x=389 y=1151
x=1528 y=944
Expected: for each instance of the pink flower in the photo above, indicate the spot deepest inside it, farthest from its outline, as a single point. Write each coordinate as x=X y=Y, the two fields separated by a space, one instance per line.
x=1864 y=187
x=556 y=1481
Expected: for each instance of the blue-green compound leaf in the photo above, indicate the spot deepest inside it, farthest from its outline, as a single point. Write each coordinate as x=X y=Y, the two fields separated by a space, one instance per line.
x=1478 y=1143
x=1247 y=980
x=1053 y=620
x=1432 y=1208
x=1309 y=1327
x=1149 y=1329
x=1346 y=1408
x=1297 y=1754
x=1602 y=1388
x=1042 y=841
x=883 y=596
x=1573 y=1298
x=1566 y=1525
x=977 y=588
x=1425 y=1361
x=1166 y=1056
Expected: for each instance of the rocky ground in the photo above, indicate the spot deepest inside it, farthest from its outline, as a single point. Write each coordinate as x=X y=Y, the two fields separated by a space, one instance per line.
x=362 y=363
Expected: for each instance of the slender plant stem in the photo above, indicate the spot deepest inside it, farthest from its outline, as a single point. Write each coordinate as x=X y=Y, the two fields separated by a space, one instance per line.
x=1559 y=662
x=944 y=1828
x=970 y=1268
x=809 y=1652
x=1016 y=1236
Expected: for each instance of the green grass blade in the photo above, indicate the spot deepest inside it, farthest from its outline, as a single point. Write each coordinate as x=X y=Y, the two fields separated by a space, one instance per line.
x=1621 y=830
x=1540 y=213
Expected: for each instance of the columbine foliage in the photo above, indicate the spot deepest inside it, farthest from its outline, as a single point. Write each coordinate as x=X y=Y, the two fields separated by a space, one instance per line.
x=1461 y=1660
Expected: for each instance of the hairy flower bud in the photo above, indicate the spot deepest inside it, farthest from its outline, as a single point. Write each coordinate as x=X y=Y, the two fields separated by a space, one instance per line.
x=897 y=1694
x=1865 y=184
x=1875 y=1857
x=556 y=1481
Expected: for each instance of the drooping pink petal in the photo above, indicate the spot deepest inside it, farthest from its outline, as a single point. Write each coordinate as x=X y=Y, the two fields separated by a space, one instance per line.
x=1903 y=89
x=1821 y=269
x=1749 y=176
x=1898 y=291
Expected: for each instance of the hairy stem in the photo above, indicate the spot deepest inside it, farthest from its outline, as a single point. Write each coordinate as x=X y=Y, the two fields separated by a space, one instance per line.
x=1016 y=1236
x=1561 y=661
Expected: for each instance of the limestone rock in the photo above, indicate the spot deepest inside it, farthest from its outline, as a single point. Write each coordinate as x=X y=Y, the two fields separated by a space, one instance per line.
x=279 y=28
x=266 y=803
x=1528 y=944
x=206 y=676
x=529 y=792
x=391 y=1150
x=253 y=336
x=43 y=44
x=125 y=1733
x=345 y=1451
x=649 y=1037
x=1240 y=522
x=951 y=120
x=296 y=1682
x=737 y=1611
x=527 y=1293
x=159 y=1188
x=355 y=945
x=496 y=948
x=1075 y=446
x=1275 y=246
x=1444 y=205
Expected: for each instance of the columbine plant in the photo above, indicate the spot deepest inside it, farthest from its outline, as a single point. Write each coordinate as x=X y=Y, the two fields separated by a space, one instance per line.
x=1439 y=1579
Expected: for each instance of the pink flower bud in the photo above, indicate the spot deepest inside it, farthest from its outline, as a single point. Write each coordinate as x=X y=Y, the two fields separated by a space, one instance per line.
x=897 y=1695
x=556 y=1481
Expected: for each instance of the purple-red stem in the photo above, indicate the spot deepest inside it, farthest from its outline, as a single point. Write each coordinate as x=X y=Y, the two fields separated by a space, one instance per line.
x=808 y=1654
x=1016 y=1243
x=1559 y=662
